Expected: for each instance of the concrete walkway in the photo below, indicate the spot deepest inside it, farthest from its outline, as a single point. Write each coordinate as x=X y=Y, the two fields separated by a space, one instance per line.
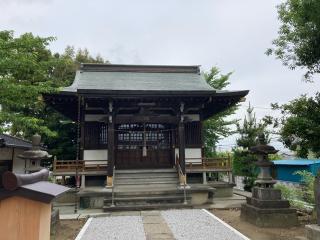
x=186 y=224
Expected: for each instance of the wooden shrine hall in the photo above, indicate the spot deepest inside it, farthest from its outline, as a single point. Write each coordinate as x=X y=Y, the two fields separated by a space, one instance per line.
x=140 y=117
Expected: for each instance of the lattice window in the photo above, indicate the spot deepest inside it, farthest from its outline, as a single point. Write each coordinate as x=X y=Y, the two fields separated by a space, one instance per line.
x=193 y=134
x=95 y=135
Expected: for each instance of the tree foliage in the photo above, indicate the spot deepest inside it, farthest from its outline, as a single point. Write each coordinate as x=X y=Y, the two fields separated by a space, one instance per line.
x=300 y=125
x=243 y=159
x=298 y=42
x=29 y=69
x=220 y=125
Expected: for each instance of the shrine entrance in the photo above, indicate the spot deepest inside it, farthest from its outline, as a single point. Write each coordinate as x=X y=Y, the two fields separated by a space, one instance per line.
x=144 y=145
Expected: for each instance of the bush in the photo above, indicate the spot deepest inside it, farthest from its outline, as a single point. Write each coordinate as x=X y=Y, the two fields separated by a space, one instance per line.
x=300 y=197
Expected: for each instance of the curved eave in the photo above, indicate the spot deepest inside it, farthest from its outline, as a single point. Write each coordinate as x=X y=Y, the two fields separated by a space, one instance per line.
x=65 y=103
x=221 y=101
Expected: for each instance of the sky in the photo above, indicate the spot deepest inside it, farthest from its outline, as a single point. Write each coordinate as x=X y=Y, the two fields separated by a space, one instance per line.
x=230 y=34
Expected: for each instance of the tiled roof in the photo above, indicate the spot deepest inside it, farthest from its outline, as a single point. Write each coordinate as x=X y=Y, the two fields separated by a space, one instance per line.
x=11 y=141
x=111 y=77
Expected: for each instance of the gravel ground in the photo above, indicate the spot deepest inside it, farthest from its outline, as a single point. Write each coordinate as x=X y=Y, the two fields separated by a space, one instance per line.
x=196 y=224
x=117 y=228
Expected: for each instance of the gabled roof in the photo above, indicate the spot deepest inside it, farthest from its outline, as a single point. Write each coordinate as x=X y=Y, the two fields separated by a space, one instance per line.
x=108 y=78
x=11 y=141
x=142 y=81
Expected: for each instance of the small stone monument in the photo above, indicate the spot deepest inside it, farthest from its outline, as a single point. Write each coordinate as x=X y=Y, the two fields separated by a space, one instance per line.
x=313 y=230
x=34 y=155
x=266 y=208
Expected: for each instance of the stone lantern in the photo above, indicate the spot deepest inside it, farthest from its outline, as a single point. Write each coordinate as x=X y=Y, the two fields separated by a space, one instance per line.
x=266 y=208
x=34 y=155
x=262 y=151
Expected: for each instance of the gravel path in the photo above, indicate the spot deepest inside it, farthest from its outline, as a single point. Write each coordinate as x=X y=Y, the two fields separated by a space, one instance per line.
x=196 y=224
x=117 y=228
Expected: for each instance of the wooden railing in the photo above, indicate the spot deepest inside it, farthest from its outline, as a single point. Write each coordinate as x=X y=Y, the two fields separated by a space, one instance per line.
x=209 y=163
x=80 y=165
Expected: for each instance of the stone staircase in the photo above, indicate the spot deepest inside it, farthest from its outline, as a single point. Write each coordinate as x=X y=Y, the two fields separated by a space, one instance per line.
x=146 y=189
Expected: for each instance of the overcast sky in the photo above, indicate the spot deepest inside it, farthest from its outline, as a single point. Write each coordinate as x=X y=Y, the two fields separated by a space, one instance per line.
x=230 y=34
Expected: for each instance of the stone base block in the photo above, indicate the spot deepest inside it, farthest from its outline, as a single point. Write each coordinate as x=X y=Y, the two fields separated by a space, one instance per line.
x=91 y=202
x=313 y=232
x=268 y=203
x=272 y=217
x=266 y=193
x=199 y=198
x=222 y=189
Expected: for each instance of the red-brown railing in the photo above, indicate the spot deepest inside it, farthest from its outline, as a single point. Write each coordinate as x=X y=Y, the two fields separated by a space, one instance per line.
x=80 y=165
x=209 y=163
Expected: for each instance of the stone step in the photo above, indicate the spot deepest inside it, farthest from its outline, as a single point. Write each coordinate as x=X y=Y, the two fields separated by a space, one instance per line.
x=152 y=180
x=165 y=191
x=150 y=199
x=139 y=171
x=146 y=187
x=146 y=176
x=146 y=182
x=160 y=206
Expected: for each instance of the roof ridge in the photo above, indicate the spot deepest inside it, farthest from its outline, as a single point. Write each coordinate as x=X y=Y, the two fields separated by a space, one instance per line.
x=98 y=67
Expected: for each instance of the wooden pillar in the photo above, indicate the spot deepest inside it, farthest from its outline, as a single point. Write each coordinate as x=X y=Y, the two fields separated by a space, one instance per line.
x=182 y=147
x=111 y=145
x=182 y=140
x=82 y=123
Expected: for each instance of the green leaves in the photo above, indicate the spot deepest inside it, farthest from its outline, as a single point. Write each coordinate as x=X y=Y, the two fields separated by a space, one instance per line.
x=298 y=42
x=28 y=69
x=300 y=129
x=218 y=126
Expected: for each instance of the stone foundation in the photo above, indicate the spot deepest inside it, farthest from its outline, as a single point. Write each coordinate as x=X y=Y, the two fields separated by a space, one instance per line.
x=266 y=208
x=275 y=217
x=222 y=189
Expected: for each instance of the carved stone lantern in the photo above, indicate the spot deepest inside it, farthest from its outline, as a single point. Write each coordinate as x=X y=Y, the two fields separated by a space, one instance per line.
x=34 y=155
x=266 y=208
x=262 y=151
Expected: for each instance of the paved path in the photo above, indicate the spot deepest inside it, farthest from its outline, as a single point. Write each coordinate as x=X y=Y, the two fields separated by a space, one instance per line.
x=155 y=226
x=191 y=224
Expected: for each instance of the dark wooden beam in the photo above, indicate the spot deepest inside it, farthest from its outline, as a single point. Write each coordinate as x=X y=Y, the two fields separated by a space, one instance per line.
x=149 y=119
x=111 y=140
x=182 y=147
x=182 y=139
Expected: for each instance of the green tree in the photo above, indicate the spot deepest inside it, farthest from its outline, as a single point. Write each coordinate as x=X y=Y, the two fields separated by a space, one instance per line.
x=243 y=159
x=219 y=125
x=26 y=67
x=298 y=42
x=29 y=69
x=63 y=144
x=300 y=125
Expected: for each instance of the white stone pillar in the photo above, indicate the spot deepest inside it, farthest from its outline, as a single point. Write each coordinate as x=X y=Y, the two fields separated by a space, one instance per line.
x=83 y=181
x=204 y=177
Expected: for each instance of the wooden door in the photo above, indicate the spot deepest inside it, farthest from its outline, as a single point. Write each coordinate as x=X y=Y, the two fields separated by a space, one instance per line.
x=131 y=139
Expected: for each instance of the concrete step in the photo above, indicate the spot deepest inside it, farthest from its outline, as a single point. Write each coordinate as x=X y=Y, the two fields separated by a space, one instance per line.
x=139 y=180
x=139 y=171
x=164 y=191
x=146 y=182
x=161 y=206
x=147 y=199
x=146 y=176
x=143 y=187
